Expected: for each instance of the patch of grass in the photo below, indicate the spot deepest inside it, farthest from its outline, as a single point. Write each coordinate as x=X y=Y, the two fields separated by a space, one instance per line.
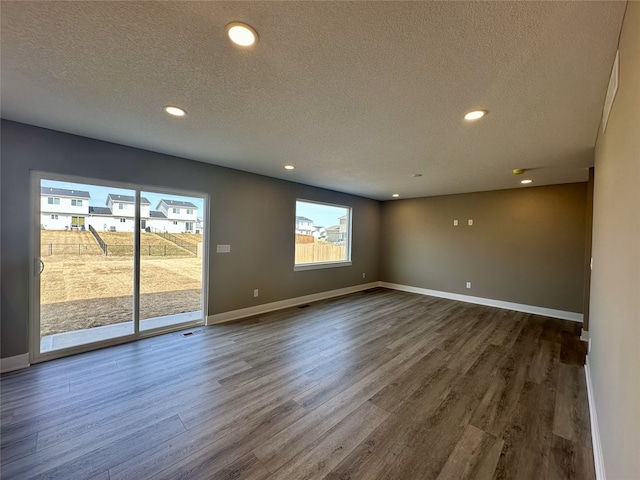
x=121 y=244
x=194 y=238
x=68 y=242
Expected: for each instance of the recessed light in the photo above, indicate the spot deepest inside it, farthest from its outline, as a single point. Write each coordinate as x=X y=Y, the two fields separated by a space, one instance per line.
x=175 y=111
x=242 y=34
x=526 y=181
x=475 y=115
x=395 y=195
x=289 y=167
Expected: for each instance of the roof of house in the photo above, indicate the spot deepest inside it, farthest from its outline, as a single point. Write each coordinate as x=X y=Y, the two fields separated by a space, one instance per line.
x=99 y=211
x=63 y=192
x=155 y=214
x=127 y=199
x=177 y=203
x=303 y=219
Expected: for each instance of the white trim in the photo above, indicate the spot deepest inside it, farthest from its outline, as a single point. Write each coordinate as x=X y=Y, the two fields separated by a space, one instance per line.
x=291 y=302
x=595 y=431
x=518 y=307
x=17 y=362
x=584 y=335
x=301 y=267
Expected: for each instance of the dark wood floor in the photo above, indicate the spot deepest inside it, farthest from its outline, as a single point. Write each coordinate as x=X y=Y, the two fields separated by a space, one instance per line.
x=375 y=385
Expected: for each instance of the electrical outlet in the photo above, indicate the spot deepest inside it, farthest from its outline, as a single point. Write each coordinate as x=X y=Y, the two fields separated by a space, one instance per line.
x=468 y=284
x=470 y=222
x=455 y=223
x=363 y=275
x=255 y=292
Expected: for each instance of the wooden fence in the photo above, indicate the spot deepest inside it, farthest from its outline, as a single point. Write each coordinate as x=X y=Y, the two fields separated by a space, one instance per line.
x=319 y=252
x=304 y=238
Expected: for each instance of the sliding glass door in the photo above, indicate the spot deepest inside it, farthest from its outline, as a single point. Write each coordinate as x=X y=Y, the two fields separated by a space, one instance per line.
x=170 y=260
x=112 y=263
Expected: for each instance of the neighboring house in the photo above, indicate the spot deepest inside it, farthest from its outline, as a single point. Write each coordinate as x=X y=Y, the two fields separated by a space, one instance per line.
x=62 y=209
x=320 y=233
x=344 y=228
x=304 y=226
x=102 y=219
x=157 y=221
x=338 y=233
x=333 y=234
x=123 y=210
x=199 y=225
x=181 y=216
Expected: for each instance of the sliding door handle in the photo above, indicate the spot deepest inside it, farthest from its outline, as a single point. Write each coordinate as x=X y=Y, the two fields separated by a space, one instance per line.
x=39 y=266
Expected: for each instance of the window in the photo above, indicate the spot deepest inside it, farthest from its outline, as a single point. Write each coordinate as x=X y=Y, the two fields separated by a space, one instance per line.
x=122 y=220
x=322 y=235
x=54 y=217
x=53 y=201
x=189 y=211
x=121 y=206
x=176 y=210
x=175 y=222
x=76 y=203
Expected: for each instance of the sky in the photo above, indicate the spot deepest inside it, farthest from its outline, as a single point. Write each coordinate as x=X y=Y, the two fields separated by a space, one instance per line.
x=99 y=194
x=322 y=215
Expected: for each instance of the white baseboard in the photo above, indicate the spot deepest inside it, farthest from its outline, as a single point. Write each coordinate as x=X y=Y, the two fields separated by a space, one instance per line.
x=17 y=362
x=584 y=335
x=518 y=307
x=291 y=302
x=595 y=432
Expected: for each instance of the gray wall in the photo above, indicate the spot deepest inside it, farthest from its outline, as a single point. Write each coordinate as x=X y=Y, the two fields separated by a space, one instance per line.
x=526 y=245
x=254 y=214
x=615 y=280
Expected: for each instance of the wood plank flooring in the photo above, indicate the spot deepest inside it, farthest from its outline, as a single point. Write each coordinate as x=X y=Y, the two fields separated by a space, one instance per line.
x=375 y=385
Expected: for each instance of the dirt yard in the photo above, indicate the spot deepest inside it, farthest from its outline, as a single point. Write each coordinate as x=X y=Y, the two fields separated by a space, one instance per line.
x=88 y=290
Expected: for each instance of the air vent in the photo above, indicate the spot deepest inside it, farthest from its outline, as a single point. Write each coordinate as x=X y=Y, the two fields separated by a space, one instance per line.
x=611 y=92
x=193 y=332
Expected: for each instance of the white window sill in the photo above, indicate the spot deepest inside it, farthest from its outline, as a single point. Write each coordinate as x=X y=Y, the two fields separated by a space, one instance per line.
x=317 y=266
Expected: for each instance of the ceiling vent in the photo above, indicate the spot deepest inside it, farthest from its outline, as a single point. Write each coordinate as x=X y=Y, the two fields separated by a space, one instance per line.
x=611 y=91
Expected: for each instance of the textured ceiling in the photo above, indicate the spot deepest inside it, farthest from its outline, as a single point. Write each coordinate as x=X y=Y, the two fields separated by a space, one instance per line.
x=359 y=96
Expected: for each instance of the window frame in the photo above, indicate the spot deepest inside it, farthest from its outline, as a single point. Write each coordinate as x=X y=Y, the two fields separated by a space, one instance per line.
x=301 y=267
